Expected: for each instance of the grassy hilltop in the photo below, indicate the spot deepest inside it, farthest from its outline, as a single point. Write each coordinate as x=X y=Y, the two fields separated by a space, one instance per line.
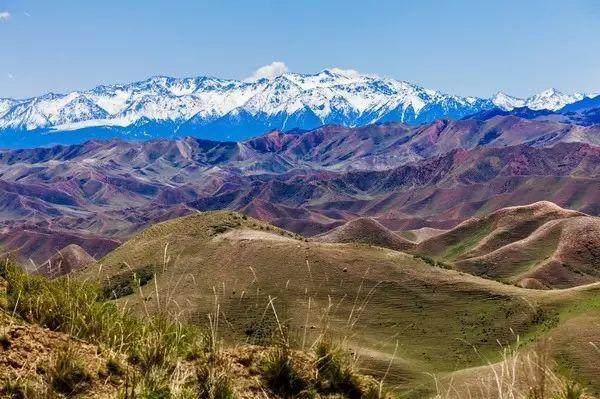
x=404 y=317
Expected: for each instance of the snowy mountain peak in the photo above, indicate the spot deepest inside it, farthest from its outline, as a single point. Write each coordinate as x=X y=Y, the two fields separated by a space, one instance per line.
x=549 y=99
x=345 y=73
x=506 y=101
x=552 y=99
x=550 y=93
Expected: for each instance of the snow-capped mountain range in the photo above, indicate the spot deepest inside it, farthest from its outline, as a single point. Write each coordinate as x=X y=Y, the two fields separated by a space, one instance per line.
x=235 y=109
x=550 y=99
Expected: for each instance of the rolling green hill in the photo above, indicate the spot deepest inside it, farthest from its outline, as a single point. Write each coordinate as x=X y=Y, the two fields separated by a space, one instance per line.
x=390 y=307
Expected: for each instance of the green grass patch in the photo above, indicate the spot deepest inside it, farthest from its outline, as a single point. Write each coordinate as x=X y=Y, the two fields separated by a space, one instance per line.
x=281 y=374
x=409 y=235
x=79 y=309
x=68 y=374
x=454 y=251
x=432 y=262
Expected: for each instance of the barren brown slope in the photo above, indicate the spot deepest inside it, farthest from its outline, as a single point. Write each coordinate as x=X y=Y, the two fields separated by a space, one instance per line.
x=33 y=243
x=65 y=261
x=96 y=193
x=541 y=241
x=375 y=296
x=367 y=231
x=31 y=348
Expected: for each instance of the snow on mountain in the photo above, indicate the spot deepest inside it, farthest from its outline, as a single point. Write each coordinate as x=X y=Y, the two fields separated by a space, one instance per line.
x=221 y=109
x=507 y=102
x=550 y=99
x=6 y=104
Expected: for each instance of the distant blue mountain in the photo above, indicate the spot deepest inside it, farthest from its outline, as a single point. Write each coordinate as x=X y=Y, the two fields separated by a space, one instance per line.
x=582 y=105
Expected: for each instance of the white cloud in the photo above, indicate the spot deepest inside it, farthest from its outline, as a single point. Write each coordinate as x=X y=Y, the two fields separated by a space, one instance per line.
x=270 y=71
x=4 y=16
x=10 y=76
x=26 y=14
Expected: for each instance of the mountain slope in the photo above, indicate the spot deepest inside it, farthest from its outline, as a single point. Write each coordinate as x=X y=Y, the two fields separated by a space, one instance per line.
x=35 y=243
x=539 y=244
x=65 y=261
x=372 y=147
x=585 y=112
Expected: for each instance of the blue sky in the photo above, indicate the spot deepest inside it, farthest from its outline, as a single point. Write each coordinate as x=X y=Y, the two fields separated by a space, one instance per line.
x=461 y=47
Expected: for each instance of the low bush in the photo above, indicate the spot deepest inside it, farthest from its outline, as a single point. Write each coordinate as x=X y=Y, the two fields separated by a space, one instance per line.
x=571 y=390
x=114 y=367
x=432 y=262
x=68 y=374
x=280 y=374
x=154 y=345
x=126 y=283
x=213 y=379
x=79 y=309
x=24 y=389
x=336 y=370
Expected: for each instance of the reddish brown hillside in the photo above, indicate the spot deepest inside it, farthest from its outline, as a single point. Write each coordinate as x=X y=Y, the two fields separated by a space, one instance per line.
x=434 y=175
x=36 y=244
x=561 y=253
x=535 y=245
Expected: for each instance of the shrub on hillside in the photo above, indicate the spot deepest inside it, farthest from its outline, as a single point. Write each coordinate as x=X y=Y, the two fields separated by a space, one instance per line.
x=126 y=283
x=280 y=373
x=335 y=369
x=68 y=374
x=214 y=380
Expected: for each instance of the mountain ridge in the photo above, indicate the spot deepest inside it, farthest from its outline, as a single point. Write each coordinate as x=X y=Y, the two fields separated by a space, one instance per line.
x=223 y=109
